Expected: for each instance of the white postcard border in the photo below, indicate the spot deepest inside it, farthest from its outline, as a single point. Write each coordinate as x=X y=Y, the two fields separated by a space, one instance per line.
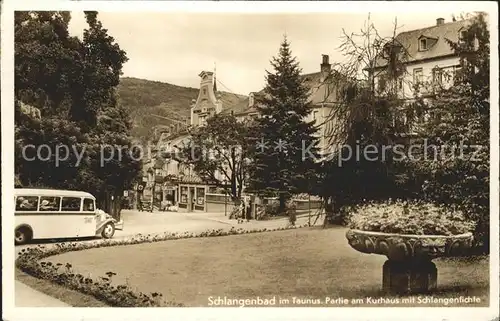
x=7 y=63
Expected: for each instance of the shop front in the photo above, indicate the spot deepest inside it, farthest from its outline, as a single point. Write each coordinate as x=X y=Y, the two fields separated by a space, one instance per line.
x=192 y=197
x=170 y=193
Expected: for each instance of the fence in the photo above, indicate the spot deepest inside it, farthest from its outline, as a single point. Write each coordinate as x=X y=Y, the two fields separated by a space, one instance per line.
x=224 y=203
x=300 y=203
x=219 y=202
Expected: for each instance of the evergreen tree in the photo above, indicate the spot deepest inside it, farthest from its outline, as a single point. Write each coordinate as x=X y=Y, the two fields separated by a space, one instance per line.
x=457 y=173
x=286 y=151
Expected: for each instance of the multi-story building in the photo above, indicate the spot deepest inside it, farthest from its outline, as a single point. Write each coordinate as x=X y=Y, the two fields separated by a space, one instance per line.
x=322 y=87
x=428 y=60
x=188 y=190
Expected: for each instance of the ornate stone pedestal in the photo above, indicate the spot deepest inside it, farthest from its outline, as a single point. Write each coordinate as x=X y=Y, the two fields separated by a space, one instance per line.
x=409 y=277
x=409 y=268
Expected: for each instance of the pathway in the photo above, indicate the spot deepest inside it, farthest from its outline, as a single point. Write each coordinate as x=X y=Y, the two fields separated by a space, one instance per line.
x=151 y=223
x=28 y=297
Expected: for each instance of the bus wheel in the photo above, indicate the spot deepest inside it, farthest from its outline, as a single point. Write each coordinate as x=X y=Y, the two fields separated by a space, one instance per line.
x=108 y=231
x=22 y=235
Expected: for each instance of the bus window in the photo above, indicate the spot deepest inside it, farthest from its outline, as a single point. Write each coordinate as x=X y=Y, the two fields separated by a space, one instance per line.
x=71 y=204
x=88 y=205
x=27 y=203
x=49 y=203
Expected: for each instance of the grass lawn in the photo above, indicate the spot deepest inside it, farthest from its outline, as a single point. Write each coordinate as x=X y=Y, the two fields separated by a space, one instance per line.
x=308 y=264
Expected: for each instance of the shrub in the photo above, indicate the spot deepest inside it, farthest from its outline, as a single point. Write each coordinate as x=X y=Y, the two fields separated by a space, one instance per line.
x=417 y=218
x=272 y=209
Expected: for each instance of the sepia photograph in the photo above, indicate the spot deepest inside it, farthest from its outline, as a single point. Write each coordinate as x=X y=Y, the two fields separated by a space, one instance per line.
x=250 y=155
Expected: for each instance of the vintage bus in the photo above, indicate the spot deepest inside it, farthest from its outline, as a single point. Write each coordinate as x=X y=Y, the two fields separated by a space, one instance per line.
x=56 y=214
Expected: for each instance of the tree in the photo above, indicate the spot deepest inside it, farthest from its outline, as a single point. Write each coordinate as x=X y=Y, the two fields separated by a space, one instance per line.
x=72 y=82
x=46 y=151
x=286 y=150
x=218 y=152
x=459 y=135
x=47 y=61
x=367 y=116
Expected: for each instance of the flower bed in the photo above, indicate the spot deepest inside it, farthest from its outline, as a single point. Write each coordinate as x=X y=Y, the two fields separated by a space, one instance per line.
x=30 y=262
x=413 y=218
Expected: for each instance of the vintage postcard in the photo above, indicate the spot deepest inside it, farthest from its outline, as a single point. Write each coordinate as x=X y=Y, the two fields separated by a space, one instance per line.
x=252 y=160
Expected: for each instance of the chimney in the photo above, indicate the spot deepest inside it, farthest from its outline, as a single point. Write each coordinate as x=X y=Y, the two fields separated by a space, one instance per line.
x=439 y=21
x=325 y=67
x=326 y=59
x=251 y=99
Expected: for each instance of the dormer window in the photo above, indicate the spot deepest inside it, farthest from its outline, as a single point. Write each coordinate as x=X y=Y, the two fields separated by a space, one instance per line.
x=392 y=49
x=463 y=35
x=422 y=45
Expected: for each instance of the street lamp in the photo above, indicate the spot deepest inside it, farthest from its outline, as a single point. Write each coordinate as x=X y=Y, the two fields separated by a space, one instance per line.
x=225 y=196
x=153 y=187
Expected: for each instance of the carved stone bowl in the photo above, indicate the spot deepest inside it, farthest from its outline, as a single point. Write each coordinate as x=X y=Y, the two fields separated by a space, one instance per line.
x=403 y=247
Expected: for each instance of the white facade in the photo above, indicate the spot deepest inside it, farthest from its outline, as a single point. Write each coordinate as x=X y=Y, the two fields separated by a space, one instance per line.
x=435 y=72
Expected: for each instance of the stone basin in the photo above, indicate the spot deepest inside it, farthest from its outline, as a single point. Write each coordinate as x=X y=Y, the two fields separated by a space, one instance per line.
x=409 y=268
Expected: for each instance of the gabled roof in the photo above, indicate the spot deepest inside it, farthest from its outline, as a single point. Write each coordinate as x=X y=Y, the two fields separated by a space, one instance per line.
x=322 y=91
x=241 y=107
x=440 y=48
x=427 y=37
x=319 y=92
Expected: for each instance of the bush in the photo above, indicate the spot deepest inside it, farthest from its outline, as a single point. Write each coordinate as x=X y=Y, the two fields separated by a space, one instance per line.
x=416 y=218
x=272 y=209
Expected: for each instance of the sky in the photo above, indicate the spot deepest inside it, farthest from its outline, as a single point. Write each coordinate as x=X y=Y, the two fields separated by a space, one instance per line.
x=176 y=47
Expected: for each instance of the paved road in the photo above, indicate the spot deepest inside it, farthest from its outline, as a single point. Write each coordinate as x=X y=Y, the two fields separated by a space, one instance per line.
x=150 y=223
x=158 y=222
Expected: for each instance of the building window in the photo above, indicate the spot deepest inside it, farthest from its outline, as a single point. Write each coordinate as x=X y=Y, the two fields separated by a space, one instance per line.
x=463 y=36
x=457 y=70
x=437 y=76
x=315 y=114
x=423 y=44
x=382 y=84
x=200 y=196
x=204 y=91
x=418 y=76
x=184 y=195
